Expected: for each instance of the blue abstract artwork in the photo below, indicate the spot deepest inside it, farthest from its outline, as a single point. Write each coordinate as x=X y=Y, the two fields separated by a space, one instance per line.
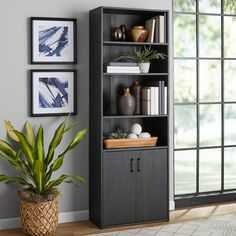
x=53 y=41
x=53 y=92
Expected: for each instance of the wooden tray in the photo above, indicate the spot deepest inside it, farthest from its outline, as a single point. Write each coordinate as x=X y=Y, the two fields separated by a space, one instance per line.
x=125 y=143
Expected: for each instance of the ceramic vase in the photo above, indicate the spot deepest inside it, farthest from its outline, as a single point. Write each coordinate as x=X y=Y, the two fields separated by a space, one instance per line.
x=117 y=34
x=126 y=103
x=138 y=34
x=136 y=91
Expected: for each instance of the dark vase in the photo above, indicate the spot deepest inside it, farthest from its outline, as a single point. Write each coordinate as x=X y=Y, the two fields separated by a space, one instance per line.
x=126 y=103
x=117 y=34
x=136 y=91
x=124 y=32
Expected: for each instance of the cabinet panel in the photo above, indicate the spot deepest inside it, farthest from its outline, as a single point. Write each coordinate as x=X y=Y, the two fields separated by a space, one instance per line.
x=118 y=188
x=152 y=186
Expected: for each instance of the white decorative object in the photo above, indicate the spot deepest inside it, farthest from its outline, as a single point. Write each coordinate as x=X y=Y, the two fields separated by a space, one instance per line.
x=136 y=129
x=132 y=135
x=144 y=135
x=144 y=67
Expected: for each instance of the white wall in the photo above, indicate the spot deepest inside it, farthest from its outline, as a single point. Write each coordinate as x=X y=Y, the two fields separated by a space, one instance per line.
x=15 y=86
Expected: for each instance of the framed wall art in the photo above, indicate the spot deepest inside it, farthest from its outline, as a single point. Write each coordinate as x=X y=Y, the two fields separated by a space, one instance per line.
x=53 y=92
x=53 y=40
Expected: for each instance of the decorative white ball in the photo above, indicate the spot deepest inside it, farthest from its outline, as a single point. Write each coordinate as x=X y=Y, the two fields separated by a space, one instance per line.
x=144 y=135
x=136 y=129
x=132 y=135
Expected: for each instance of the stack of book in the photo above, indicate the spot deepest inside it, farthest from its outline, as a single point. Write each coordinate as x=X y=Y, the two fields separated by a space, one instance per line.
x=157 y=29
x=121 y=67
x=154 y=100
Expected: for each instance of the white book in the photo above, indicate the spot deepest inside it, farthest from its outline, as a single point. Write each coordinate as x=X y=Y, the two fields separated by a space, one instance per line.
x=124 y=71
x=156 y=100
x=150 y=26
x=152 y=100
x=126 y=68
x=161 y=29
x=165 y=100
x=146 y=102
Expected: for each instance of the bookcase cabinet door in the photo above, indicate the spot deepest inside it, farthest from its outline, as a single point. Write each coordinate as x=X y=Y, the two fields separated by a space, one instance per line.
x=152 y=186
x=118 y=188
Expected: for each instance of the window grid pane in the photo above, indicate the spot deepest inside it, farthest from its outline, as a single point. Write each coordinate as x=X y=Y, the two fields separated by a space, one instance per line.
x=206 y=129
x=185 y=172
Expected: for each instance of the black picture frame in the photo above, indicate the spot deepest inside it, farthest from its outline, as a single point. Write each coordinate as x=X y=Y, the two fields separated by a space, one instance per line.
x=53 y=40
x=53 y=92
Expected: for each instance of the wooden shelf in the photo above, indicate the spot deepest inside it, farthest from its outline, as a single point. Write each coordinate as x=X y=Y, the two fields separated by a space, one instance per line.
x=121 y=43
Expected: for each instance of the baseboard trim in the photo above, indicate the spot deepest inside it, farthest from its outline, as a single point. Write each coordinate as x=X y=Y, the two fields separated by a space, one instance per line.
x=10 y=223
x=64 y=217
x=172 y=205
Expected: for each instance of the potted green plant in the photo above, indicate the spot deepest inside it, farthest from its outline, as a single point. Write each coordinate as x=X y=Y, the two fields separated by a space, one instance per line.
x=39 y=200
x=143 y=56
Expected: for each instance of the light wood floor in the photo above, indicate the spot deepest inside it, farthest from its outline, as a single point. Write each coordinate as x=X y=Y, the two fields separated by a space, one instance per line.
x=177 y=216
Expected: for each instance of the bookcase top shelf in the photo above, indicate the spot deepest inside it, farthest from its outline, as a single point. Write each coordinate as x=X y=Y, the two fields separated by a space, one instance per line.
x=137 y=74
x=122 y=43
x=130 y=11
x=133 y=116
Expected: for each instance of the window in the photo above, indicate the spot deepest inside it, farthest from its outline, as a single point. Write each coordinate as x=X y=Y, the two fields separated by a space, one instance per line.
x=204 y=96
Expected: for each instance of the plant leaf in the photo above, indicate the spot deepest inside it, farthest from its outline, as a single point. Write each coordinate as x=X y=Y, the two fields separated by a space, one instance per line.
x=70 y=126
x=39 y=170
x=55 y=142
x=7 y=148
x=56 y=182
x=79 y=178
x=57 y=163
x=40 y=144
x=10 y=131
x=26 y=148
x=30 y=134
x=16 y=180
x=3 y=178
x=72 y=182
x=78 y=137
x=54 y=167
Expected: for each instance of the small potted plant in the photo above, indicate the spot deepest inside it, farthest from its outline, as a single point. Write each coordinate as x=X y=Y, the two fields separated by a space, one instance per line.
x=143 y=56
x=39 y=200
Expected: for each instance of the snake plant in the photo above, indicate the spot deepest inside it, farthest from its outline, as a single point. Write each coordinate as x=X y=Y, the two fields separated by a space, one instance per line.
x=35 y=164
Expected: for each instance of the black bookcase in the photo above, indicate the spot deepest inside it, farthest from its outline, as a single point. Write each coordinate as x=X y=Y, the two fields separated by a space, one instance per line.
x=130 y=185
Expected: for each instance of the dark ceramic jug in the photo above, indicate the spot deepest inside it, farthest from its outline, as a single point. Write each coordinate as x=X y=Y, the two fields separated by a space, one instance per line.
x=126 y=103
x=136 y=91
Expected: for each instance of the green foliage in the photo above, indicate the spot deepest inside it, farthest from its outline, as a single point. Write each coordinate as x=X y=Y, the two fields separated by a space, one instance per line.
x=145 y=54
x=117 y=134
x=184 y=5
x=36 y=167
x=230 y=5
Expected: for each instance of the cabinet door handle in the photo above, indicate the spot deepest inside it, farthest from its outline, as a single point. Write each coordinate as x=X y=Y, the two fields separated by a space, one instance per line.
x=138 y=165
x=131 y=165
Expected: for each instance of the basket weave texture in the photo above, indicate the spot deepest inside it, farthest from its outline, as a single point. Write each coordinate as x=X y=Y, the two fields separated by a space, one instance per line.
x=39 y=219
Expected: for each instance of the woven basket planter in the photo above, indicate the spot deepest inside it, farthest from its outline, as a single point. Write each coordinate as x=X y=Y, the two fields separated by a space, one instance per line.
x=39 y=219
